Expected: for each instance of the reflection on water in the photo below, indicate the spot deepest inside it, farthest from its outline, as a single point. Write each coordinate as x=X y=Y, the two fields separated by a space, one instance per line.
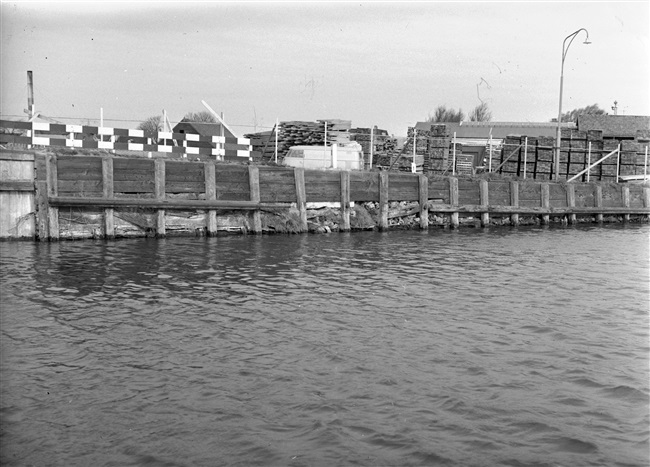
x=514 y=347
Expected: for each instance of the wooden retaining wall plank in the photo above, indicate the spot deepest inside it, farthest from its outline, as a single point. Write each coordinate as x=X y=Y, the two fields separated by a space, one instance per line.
x=277 y=185
x=545 y=201
x=636 y=196
x=439 y=189
x=584 y=194
x=499 y=193
x=17 y=185
x=403 y=187
x=557 y=194
x=468 y=192
x=625 y=195
x=322 y=185
x=530 y=194
x=598 y=196
x=364 y=186
x=571 y=202
x=42 y=219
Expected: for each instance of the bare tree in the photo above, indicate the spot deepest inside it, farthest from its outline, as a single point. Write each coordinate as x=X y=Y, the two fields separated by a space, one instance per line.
x=443 y=114
x=481 y=113
x=151 y=125
x=572 y=116
x=199 y=117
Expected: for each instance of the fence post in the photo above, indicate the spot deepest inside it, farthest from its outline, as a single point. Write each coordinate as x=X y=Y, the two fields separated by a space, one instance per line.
x=210 y=173
x=546 y=202
x=571 y=202
x=301 y=197
x=107 y=187
x=383 y=200
x=514 y=202
x=159 y=167
x=52 y=190
x=345 y=201
x=254 y=182
x=599 y=202
x=453 y=200
x=626 y=201
x=483 y=188
x=423 y=185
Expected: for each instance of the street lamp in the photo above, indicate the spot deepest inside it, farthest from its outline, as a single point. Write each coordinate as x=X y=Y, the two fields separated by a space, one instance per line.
x=565 y=49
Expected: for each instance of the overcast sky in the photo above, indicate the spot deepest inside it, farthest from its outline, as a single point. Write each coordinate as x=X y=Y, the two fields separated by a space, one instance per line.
x=388 y=64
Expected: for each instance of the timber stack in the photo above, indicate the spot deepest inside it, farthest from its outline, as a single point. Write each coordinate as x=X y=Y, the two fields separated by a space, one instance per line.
x=297 y=133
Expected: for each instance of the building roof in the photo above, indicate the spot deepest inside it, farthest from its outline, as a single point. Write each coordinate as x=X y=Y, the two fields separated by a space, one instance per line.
x=614 y=125
x=203 y=129
x=498 y=130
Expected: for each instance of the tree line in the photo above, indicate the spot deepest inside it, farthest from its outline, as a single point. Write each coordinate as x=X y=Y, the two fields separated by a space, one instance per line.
x=482 y=113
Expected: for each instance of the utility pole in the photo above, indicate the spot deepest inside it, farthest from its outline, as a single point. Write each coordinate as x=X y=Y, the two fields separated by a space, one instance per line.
x=30 y=95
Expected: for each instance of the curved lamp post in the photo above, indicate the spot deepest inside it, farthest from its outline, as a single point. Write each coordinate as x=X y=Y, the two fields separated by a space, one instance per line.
x=565 y=49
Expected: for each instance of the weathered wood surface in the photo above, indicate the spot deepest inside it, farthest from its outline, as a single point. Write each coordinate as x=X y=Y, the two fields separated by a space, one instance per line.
x=364 y=186
x=17 y=204
x=322 y=185
x=277 y=185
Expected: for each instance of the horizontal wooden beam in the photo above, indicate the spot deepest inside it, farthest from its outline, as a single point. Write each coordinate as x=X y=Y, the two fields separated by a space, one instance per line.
x=477 y=209
x=75 y=201
x=17 y=185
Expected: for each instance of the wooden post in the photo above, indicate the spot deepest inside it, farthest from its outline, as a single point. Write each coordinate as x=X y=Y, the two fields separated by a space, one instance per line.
x=210 y=173
x=424 y=201
x=646 y=199
x=525 y=156
x=546 y=202
x=626 y=201
x=618 y=163
x=571 y=202
x=589 y=162
x=454 y=221
x=383 y=201
x=107 y=186
x=345 y=201
x=52 y=190
x=453 y=164
x=159 y=166
x=514 y=201
x=301 y=197
x=372 y=146
x=599 y=202
x=484 y=201
x=254 y=183
x=40 y=182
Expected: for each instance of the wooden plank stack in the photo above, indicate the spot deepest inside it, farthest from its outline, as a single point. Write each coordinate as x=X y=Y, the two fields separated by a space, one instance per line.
x=296 y=133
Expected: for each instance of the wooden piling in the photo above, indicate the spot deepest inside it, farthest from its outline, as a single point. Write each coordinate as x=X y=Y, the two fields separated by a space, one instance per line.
x=646 y=199
x=454 y=221
x=40 y=183
x=159 y=183
x=484 y=201
x=254 y=183
x=546 y=202
x=383 y=201
x=52 y=190
x=514 y=201
x=107 y=188
x=625 y=195
x=345 y=201
x=571 y=202
x=598 y=199
x=210 y=174
x=301 y=197
x=424 y=201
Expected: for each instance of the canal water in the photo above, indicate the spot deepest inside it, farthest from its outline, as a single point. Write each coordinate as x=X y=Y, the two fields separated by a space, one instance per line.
x=501 y=346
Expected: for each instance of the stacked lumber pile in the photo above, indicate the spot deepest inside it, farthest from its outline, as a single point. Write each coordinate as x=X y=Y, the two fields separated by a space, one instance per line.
x=433 y=144
x=297 y=133
x=578 y=150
